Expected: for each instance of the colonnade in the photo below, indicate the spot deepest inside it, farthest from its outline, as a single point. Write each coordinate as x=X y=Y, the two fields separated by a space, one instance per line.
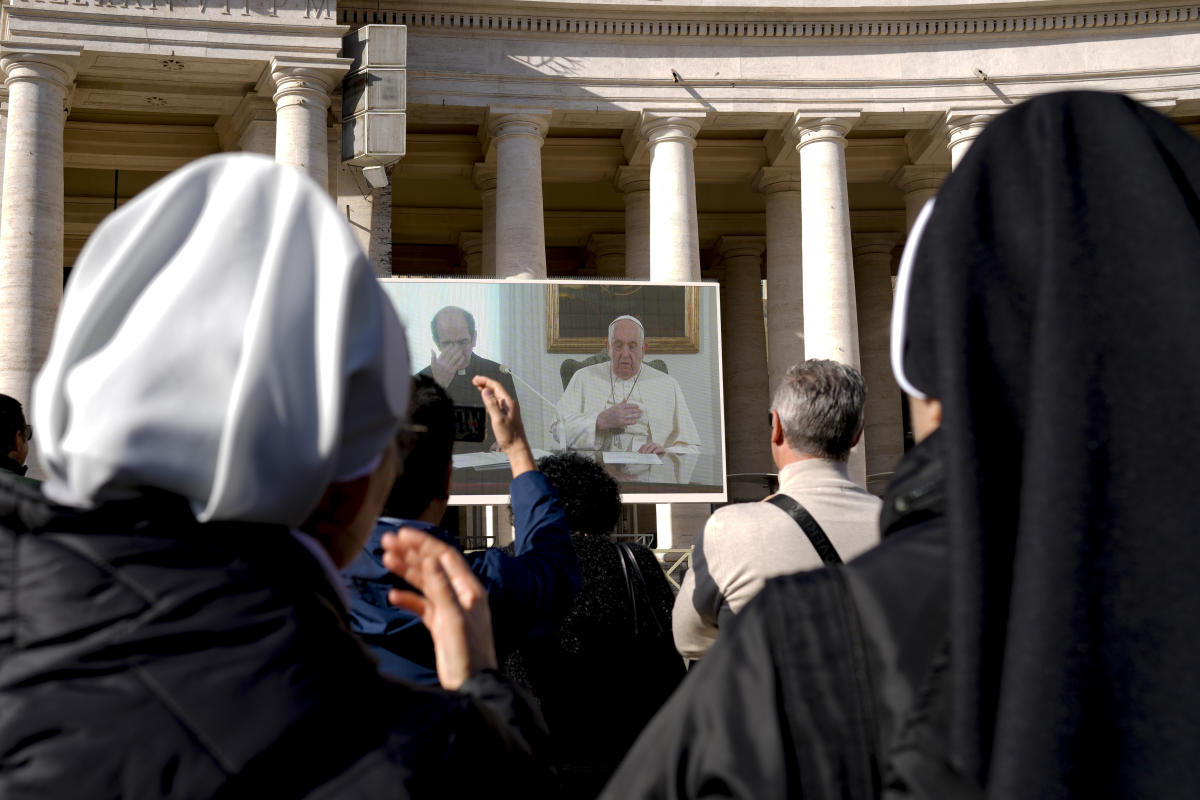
x=825 y=284
x=829 y=292
x=40 y=81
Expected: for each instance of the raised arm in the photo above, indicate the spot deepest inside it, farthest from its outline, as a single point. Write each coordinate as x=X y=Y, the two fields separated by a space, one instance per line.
x=532 y=589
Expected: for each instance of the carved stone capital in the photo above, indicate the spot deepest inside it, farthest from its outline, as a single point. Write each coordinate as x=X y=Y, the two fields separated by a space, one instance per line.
x=633 y=179
x=916 y=178
x=741 y=251
x=484 y=177
x=602 y=245
x=874 y=244
x=811 y=129
x=470 y=243
x=965 y=126
x=302 y=84
x=503 y=123
x=671 y=126
x=777 y=179
x=52 y=67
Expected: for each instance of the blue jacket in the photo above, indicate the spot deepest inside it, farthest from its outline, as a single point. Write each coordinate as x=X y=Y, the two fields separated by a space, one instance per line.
x=528 y=592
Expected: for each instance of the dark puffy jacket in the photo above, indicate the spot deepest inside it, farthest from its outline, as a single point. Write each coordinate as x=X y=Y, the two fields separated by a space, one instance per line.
x=143 y=654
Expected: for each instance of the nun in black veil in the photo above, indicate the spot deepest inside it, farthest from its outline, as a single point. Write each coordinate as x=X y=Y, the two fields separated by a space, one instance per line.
x=1028 y=627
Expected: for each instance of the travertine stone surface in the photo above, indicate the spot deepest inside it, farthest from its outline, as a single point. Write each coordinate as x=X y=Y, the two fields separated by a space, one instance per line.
x=883 y=438
x=830 y=316
x=964 y=128
x=607 y=252
x=917 y=184
x=743 y=356
x=634 y=182
x=484 y=177
x=518 y=135
x=31 y=219
x=830 y=324
x=470 y=245
x=369 y=212
x=301 y=107
x=674 y=231
x=785 y=275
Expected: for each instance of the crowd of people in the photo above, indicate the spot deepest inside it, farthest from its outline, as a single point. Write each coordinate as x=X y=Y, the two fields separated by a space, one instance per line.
x=233 y=581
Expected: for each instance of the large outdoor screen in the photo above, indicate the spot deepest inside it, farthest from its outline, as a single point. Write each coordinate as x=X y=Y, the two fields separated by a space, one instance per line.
x=647 y=407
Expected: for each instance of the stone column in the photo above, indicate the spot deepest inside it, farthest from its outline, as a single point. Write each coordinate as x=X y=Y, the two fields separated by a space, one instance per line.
x=470 y=244
x=884 y=434
x=830 y=324
x=3 y=132
x=743 y=354
x=333 y=160
x=608 y=252
x=830 y=317
x=634 y=183
x=674 y=228
x=258 y=135
x=918 y=183
x=31 y=220
x=301 y=108
x=674 y=256
x=785 y=290
x=484 y=177
x=520 y=227
x=964 y=128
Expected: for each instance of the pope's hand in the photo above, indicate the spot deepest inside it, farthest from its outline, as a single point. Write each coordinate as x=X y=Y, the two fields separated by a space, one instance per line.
x=618 y=416
x=447 y=363
x=453 y=604
x=651 y=447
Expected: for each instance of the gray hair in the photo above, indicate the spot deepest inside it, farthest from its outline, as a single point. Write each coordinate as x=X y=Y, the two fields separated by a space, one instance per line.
x=820 y=406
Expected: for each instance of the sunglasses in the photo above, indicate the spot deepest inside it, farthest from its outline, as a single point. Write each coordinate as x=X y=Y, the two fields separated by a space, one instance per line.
x=27 y=431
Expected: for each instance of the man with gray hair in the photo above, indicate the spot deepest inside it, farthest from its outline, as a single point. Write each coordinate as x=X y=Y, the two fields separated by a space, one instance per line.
x=623 y=404
x=818 y=515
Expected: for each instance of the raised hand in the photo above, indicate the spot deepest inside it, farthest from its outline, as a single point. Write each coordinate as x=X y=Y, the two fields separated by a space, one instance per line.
x=446 y=364
x=505 y=415
x=454 y=605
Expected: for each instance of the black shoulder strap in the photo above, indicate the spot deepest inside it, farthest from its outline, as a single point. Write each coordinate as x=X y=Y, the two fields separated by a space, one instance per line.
x=628 y=583
x=627 y=555
x=820 y=541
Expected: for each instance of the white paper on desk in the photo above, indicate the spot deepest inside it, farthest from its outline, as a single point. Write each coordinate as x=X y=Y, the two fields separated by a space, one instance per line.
x=479 y=460
x=614 y=457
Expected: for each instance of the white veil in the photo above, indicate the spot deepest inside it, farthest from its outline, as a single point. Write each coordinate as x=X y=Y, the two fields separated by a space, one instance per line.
x=222 y=337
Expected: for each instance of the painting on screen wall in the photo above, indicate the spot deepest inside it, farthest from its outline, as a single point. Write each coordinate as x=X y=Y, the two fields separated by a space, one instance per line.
x=577 y=316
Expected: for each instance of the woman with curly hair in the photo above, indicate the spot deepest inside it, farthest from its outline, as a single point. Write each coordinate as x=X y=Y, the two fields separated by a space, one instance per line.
x=605 y=670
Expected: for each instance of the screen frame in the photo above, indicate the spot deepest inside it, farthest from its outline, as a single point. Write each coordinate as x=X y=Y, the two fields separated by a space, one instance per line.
x=628 y=496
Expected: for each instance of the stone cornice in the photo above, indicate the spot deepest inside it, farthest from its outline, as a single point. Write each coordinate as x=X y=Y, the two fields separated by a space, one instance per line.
x=932 y=23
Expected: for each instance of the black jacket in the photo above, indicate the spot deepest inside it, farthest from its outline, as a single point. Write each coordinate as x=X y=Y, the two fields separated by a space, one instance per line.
x=804 y=694
x=607 y=668
x=143 y=654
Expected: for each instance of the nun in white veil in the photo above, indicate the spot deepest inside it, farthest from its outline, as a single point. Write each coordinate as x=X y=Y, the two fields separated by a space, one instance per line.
x=217 y=415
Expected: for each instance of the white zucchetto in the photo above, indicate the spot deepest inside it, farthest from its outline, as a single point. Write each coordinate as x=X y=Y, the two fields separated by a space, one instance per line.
x=222 y=337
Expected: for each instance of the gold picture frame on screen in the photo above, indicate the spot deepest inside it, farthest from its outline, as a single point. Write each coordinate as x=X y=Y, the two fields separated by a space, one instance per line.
x=578 y=314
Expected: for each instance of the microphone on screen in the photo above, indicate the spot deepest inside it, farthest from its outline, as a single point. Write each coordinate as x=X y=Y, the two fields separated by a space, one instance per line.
x=508 y=371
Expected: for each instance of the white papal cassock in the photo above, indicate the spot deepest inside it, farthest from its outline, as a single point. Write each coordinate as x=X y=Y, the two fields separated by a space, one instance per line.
x=665 y=417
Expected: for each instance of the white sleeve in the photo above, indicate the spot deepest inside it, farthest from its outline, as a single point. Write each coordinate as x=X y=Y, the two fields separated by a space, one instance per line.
x=574 y=428
x=685 y=438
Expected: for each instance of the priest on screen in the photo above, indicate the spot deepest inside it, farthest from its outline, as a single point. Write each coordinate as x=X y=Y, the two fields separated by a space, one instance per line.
x=623 y=404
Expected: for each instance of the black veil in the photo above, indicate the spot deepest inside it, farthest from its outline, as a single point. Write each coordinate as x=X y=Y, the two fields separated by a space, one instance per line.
x=1054 y=309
